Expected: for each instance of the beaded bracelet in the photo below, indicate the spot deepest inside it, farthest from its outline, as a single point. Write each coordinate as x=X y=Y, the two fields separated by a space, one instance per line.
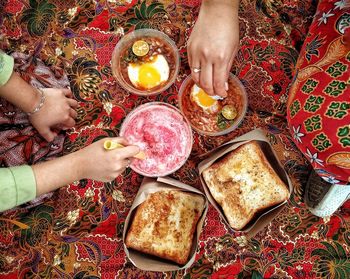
x=40 y=105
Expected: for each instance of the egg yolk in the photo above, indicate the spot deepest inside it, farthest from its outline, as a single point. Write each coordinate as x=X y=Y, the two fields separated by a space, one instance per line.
x=149 y=77
x=204 y=99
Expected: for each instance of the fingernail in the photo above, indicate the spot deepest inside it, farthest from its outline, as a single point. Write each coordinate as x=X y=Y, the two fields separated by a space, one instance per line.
x=226 y=86
x=217 y=97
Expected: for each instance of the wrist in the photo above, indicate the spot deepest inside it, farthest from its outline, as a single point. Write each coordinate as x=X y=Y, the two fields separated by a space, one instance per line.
x=20 y=93
x=77 y=165
x=54 y=174
x=220 y=6
x=33 y=99
x=39 y=103
x=223 y=16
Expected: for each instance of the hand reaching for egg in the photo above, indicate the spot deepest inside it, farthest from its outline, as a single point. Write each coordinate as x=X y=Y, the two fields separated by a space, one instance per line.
x=213 y=44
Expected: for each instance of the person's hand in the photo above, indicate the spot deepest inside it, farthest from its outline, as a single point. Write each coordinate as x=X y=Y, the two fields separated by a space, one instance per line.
x=105 y=165
x=91 y=162
x=58 y=112
x=213 y=44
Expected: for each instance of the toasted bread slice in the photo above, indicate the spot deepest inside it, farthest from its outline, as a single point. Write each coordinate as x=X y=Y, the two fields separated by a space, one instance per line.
x=244 y=184
x=165 y=223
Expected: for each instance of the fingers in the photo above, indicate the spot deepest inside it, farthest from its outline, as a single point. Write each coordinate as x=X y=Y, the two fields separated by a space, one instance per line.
x=196 y=72
x=47 y=134
x=128 y=151
x=189 y=56
x=121 y=166
x=211 y=77
x=73 y=113
x=72 y=103
x=230 y=62
x=67 y=92
x=220 y=76
x=69 y=123
x=195 y=65
x=206 y=78
x=120 y=140
x=119 y=158
x=125 y=163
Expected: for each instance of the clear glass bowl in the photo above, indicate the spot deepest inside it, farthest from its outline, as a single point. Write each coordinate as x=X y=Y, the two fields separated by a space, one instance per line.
x=206 y=123
x=163 y=133
x=119 y=68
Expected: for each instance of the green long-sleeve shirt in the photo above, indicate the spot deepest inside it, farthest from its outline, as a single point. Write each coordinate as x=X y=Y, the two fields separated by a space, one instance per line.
x=17 y=184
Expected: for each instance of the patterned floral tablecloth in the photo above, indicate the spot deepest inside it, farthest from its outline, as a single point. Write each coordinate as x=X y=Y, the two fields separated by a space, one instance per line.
x=77 y=232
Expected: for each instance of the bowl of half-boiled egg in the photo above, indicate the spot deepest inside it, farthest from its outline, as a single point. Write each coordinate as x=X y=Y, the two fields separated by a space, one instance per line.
x=145 y=62
x=210 y=115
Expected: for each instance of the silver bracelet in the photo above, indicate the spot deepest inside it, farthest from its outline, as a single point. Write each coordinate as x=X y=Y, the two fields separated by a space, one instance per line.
x=40 y=105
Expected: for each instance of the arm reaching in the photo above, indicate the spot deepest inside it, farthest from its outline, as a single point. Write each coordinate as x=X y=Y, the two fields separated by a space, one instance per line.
x=213 y=44
x=21 y=184
x=57 y=111
x=92 y=162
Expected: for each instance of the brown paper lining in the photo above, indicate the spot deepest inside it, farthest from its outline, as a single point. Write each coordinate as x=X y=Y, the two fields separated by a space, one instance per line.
x=258 y=135
x=149 y=262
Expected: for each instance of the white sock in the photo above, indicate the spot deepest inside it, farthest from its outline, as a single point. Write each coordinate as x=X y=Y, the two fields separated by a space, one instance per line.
x=335 y=197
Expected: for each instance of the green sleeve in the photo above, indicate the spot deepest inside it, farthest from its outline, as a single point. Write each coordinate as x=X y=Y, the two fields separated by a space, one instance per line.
x=17 y=186
x=6 y=67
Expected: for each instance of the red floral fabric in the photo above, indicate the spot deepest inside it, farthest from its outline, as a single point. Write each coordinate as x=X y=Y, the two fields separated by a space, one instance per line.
x=319 y=101
x=77 y=233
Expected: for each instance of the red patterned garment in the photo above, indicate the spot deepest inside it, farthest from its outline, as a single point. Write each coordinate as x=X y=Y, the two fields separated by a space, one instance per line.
x=319 y=100
x=20 y=140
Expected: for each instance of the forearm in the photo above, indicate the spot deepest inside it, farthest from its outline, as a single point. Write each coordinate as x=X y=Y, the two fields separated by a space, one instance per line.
x=219 y=6
x=220 y=11
x=54 y=174
x=19 y=93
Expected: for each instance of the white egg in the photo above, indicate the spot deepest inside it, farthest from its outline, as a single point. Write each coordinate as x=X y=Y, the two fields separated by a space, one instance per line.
x=149 y=74
x=203 y=100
